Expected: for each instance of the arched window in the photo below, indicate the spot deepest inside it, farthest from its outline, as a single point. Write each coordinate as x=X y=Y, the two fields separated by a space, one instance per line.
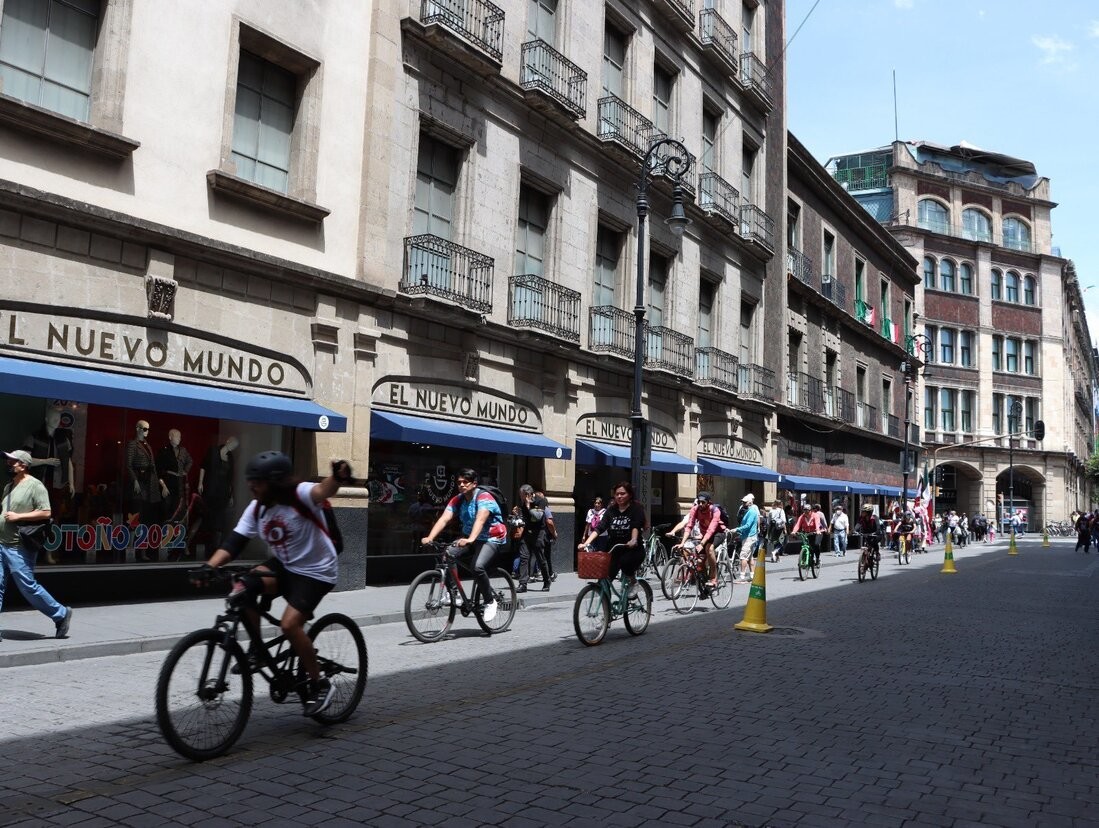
x=997 y=284
x=1011 y=287
x=965 y=279
x=1029 y=292
x=976 y=225
x=946 y=275
x=1016 y=234
x=928 y=272
x=933 y=216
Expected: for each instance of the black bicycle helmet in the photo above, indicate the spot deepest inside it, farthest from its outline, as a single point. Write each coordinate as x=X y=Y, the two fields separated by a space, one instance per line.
x=272 y=466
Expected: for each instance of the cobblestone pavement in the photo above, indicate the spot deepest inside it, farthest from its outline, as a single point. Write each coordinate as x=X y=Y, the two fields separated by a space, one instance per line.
x=918 y=699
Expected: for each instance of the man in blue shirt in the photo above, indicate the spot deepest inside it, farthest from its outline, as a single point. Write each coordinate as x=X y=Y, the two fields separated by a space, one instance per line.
x=748 y=531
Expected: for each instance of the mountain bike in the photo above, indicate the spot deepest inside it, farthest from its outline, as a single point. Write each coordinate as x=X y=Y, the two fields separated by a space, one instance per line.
x=902 y=548
x=807 y=559
x=204 y=690
x=657 y=553
x=605 y=600
x=687 y=582
x=870 y=559
x=436 y=596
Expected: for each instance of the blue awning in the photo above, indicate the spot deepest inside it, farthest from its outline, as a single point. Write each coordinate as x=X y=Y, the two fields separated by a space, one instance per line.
x=406 y=428
x=863 y=488
x=64 y=382
x=895 y=491
x=594 y=453
x=812 y=484
x=725 y=468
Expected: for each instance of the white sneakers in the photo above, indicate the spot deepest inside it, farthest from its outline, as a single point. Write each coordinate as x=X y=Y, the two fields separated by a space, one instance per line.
x=489 y=612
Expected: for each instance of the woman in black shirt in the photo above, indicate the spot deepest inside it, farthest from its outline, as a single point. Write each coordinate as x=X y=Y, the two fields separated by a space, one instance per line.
x=623 y=521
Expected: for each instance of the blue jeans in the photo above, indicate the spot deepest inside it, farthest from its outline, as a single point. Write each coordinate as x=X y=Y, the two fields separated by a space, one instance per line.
x=21 y=568
x=839 y=541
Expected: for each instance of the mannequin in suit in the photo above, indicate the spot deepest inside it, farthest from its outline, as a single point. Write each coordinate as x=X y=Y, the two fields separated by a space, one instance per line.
x=51 y=450
x=145 y=489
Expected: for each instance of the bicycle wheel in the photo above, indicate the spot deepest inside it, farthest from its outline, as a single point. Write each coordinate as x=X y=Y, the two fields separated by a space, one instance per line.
x=685 y=589
x=874 y=564
x=814 y=564
x=202 y=705
x=341 y=653
x=904 y=551
x=591 y=615
x=427 y=616
x=639 y=609
x=507 y=601
x=862 y=567
x=722 y=594
x=803 y=563
x=668 y=576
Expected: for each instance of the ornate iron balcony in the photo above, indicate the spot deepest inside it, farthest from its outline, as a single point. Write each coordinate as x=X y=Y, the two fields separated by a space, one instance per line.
x=621 y=124
x=718 y=37
x=478 y=21
x=862 y=178
x=799 y=265
x=845 y=406
x=754 y=76
x=892 y=425
x=718 y=197
x=437 y=267
x=833 y=290
x=816 y=393
x=538 y=303
x=796 y=392
x=546 y=70
x=757 y=226
x=867 y=417
x=669 y=350
x=716 y=368
x=755 y=381
x=611 y=330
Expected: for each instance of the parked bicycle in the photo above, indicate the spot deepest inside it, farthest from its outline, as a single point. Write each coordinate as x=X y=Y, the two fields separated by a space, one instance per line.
x=657 y=553
x=688 y=581
x=204 y=690
x=807 y=558
x=436 y=596
x=870 y=559
x=606 y=599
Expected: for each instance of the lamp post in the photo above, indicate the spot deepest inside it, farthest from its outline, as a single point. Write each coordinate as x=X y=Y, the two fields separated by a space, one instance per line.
x=673 y=163
x=1015 y=412
x=918 y=345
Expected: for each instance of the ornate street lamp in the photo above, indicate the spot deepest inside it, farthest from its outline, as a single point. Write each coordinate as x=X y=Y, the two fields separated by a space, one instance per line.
x=668 y=158
x=918 y=345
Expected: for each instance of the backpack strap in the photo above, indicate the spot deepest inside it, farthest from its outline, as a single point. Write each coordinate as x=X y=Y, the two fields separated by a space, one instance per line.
x=307 y=513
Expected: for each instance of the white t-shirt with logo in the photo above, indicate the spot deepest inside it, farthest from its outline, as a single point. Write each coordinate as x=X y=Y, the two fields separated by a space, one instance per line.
x=294 y=539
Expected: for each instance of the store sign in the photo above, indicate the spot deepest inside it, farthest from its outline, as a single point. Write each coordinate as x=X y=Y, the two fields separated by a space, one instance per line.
x=620 y=430
x=163 y=353
x=730 y=448
x=455 y=402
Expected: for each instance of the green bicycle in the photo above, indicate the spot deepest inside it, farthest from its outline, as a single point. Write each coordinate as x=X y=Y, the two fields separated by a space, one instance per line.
x=607 y=599
x=807 y=560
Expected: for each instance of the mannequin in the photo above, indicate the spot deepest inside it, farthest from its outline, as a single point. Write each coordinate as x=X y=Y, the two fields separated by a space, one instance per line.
x=51 y=450
x=145 y=488
x=173 y=464
x=215 y=484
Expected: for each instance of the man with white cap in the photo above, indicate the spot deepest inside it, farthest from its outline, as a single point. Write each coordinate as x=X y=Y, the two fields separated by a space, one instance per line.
x=26 y=501
x=749 y=534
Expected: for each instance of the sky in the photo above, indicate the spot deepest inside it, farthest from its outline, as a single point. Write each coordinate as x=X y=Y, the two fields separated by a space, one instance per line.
x=1014 y=77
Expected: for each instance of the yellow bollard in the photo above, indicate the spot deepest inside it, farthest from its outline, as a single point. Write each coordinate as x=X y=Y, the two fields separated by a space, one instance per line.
x=948 y=558
x=1012 y=549
x=755 y=611
x=1045 y=537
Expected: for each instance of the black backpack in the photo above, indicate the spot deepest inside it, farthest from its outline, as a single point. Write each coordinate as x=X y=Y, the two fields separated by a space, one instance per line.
x=498 y=496
x=329 y=527
x=724 y=515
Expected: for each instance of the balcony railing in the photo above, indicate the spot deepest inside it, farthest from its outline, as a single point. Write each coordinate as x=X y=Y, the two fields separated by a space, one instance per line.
x=892 y=426
x=867 y=417
x=478 y=21
x=437 y=267
x=621 y=124
x=833 y=290
x=862 y=178
x=795 y=391
x=864 y=313
x=755 y=77
x=967 y=232
x=755 y=381
x=815 y=393
x=757 y=226
x=669 y=350
x=611 y=330
x=716 y=368
x=680 y=11
x=718 y=36
x=540 y=304
x=546 y=70
x=845 y=406
x=718 y=197
x=799 y=265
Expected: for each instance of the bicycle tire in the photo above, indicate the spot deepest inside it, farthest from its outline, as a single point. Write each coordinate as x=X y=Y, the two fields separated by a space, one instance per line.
x=874 y=564
x=192 y=711
x=803 y=564
x=685 y=589
x=507 y=601
x=427 y=617
x=667 y=577
x=639 y=609
x=343 y=661
x=722 y=595
x=591 y=615
x=814 y=564
x=862 y=568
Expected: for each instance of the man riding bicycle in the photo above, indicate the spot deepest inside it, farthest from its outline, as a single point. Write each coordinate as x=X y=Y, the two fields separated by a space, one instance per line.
x=869 y=528
x=288 y=514
x=484 y=529
x=708 y=520
x=906 y=528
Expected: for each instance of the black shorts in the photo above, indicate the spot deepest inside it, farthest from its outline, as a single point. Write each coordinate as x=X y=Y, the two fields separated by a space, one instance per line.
x=300 y=591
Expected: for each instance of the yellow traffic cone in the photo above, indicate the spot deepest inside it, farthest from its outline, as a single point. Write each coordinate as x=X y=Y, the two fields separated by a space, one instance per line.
x=1012 y=549
x=755 y=611
x=948 y=559
x=1045 y=537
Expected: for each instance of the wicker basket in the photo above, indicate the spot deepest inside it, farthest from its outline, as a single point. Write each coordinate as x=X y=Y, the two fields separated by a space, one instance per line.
x=591 y=566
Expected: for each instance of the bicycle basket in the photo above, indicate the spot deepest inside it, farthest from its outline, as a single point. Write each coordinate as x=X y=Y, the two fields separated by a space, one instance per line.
x=593 y=565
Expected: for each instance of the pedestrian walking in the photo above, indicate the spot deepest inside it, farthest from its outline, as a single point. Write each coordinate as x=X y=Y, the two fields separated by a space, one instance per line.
x=533 y=542
x=748 y=530
x=1083 y=533
x=592 y=521
x=776 y=530
x=516 y=525
x=26 y=505
x=839 y=527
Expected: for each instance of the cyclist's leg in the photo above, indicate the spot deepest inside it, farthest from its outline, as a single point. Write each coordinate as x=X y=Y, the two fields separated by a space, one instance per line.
x=303 y=594
x=711 y=563
x=259 y=581
x=485 y=554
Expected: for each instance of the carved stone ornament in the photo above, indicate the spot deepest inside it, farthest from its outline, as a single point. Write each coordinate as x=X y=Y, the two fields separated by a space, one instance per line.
x=161 y=294
x=471 y=367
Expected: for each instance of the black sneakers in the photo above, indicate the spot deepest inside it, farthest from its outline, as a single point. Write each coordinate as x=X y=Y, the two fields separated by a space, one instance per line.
x=63 y=624
x=319 y=698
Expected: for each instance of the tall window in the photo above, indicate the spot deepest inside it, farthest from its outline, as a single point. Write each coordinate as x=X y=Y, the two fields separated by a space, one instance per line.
x=607 y=246
x=1029 y=297
x=946 y=274
x=748 y=19
x=997 y=284
x=709 y=139
x=1013 y=423
x=930 y=414
x=997 y=351
x=263 y=122
x=860 y=396
x=1030 y=350
x=886 y=397
x=707 y=291
x=530 y=234
x=976 y=225
x=1030 y=412
x=965 y=279
x=747 y=174
x=946 y=345
x=436 y=180
x=541 y=20
x=46 y=51
x=929 y=272
x=932 y=334
x=997 y=413
x=747 y=333
x=860 y=280
x=948 y=398
x=1016 y=234
x=966 y=408
x=658 y=286
x=614 y=61
x=933 y=216
x=1011 y=286
x=1011 y=355
x=965 y=349
x=828 y=268
x=793 y=225
x=662 y=98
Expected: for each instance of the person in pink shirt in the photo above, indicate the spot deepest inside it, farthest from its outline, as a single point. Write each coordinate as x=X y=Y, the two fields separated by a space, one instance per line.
x=709 y=523
x=811 y=522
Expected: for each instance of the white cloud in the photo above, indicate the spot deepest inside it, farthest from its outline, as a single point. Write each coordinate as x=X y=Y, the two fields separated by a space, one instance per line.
x=1055 y=51
x=1093 y=28
x=904 y=4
